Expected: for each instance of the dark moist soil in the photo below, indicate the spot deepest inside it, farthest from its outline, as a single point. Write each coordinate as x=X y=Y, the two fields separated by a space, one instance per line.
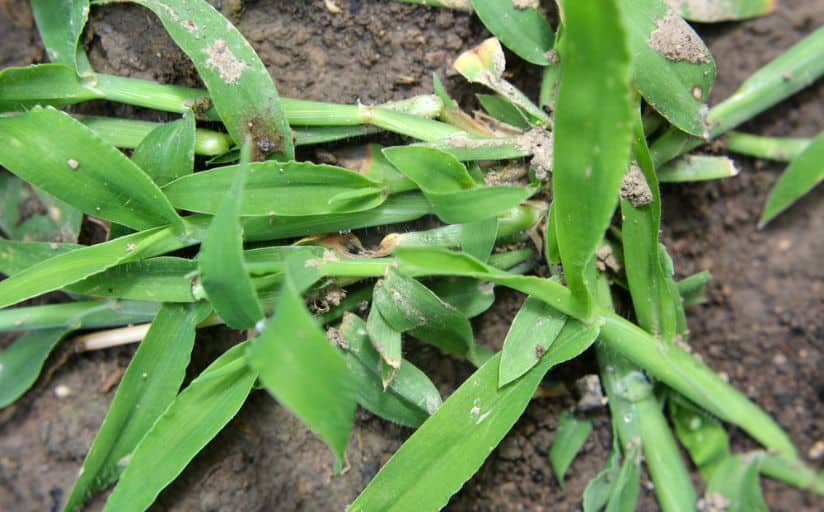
x=763 y=325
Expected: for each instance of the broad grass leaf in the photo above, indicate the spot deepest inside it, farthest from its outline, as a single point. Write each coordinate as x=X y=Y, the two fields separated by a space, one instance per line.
x=220 y=261
x=21 y=88
x=671 y=66
x=168 y=151
x=449 y=447
x=192 y=420
x=525 y=31
x=409 y=306
x=469 y=296
x=60 y=25
x=150 y=384
x=70 y=267
x=479 y=148
x=304 y=372
x=701 y=434
x=408 y=400
x=735 y=482
x=804 y=173
x=477 y=204
x=81 y=169
x=534 y=329
x=445 y=182
x=478 y=238
x=425 y=261
x=431 y=169
x=570 y=437
x=385 y=339
x=87 y=314
x=280 y=189
x=711 y=11
x=592 y=136
x=162 y=279
x=396 y=209
x=22 y=361
x=16 y=256
x=239 y=85
x=503 y=110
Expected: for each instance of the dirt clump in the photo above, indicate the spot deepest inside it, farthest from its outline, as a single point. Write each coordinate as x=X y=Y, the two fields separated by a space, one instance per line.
x=675 y=40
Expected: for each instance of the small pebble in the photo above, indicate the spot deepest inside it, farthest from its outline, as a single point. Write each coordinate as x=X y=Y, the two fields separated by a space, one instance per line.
x=62 y=391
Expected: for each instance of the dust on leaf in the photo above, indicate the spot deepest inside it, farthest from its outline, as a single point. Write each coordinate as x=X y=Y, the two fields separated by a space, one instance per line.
x=676 y=41
x=224 y=61
x=635 y=188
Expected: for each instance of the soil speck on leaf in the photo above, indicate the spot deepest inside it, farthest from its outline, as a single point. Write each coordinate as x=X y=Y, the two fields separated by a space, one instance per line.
x=224 y=61
x=635 y=188
x=73 y=164
x=538 y=142
x=676 y=41
x=526 y=4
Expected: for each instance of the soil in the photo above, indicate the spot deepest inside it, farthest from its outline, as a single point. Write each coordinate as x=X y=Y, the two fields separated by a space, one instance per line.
x=762 y=325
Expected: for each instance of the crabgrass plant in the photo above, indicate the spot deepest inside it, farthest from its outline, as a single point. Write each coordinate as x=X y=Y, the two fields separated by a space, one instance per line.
x=277 y=254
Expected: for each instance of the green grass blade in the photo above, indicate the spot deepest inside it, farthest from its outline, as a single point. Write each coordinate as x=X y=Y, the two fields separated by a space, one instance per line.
x=77 y=315
x=445 y=182
x=801 y=176
x=129 y=133
x=150 y=384
x=241 y=89
x=524 y=30
x=396 y=209
x=627 y=486
x=22 y=361
x=534 y=329
x=60 y=25
x=476 y=204
x=791 y=471
x=671 y=66
x=81 y=169
x=735 y=483
x=220 y=262
x=304 y=372
x=279 y=188
x=51 y=220
x=692 y=288
x=409 y=306
x=697 y=168
x=168 y=151
x=68 y=268
x=385 y=339
x=469 y=296
x=654 y=297
x=711 y=11
x=599 y=489
x=570 y=437
x=592 y=136
x=688 y=376
x=701 y=434
x=478 y=238
x=782 y=149
x=21 y=88
x=450 y=446
x=17 y=256
x=162 y=279
x=192 y=420
x=408 y=400
x=503 y=110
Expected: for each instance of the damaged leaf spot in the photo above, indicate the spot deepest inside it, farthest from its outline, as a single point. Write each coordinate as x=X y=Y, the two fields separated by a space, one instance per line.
x=676 y=41
x=635 y=188
x=224 y=61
